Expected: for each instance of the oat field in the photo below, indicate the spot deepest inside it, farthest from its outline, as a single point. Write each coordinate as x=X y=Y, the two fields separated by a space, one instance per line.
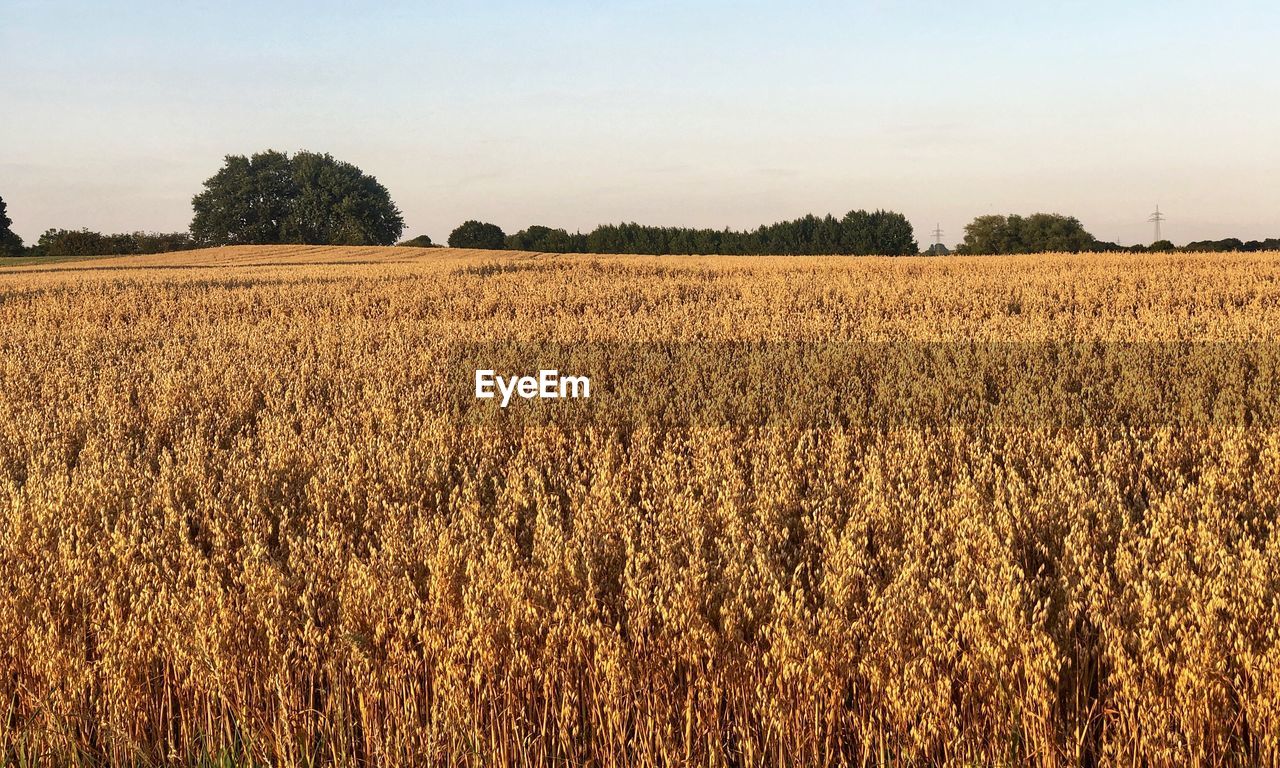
x=817 y=511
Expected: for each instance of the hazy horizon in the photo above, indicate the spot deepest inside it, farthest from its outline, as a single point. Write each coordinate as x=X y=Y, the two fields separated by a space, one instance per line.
x=708 y=114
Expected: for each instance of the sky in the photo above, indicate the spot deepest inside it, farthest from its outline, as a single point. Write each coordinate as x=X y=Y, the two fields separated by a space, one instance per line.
x=694 y=113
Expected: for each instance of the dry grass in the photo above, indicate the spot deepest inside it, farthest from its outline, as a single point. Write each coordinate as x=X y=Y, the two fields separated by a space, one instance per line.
x=249 y=513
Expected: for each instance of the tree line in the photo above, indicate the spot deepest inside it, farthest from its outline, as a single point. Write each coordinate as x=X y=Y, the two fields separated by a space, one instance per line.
x=1230 y=244
x=83 y=242
x=1054 y=233
x=311 y=198
x=856 y=233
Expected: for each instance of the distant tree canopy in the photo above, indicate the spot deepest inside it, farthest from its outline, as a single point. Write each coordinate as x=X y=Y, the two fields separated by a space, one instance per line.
x=539 y=238
x=1037 y=233
x=309 y=198
x=478 y=234
x=421 y=241
x=82 y=242
x=857 y=233
x=10 y=243
x=1233 y=244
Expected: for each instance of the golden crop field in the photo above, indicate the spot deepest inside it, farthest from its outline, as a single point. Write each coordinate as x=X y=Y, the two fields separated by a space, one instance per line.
x=816 y=511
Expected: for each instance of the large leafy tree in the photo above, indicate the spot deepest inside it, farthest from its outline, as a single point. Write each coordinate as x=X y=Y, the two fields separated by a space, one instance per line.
x=884 y=233
x=1037 y=233
x=478 y=234
x=308 y=198
x=990 y=234
x=10 y=243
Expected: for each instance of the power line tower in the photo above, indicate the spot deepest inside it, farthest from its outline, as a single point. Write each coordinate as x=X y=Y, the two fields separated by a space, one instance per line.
x=1156 y=218
x=937 y=235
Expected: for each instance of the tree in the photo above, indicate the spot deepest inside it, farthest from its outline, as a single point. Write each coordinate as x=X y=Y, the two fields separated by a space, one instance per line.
x=338 y=204
x=478 y=234
x=884 y=233
x=545 y=239
x=988 y=234
x=309 y=198
x=421 y=241
x=10 y=243
x=1037 y=233
x=70 y=242
x=1162 y=246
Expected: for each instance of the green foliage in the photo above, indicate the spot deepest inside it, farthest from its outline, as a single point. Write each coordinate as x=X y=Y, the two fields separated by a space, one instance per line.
x=1037 y=233
x=1233 y=244
x=1229 y=244
x=858 y=232
x=310 y=198
x=83 y=242
x=10 y=243
x=879 y=233
x=246 y=202
x=478 y=234
x=421 y=241
x=1162 y=246
x=539 y=238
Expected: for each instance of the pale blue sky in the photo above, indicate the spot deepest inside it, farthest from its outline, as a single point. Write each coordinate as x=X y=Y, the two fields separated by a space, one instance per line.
x=700 y=112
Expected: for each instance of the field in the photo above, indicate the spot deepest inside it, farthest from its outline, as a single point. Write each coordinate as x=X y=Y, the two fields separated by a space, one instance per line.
x=867 y=511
